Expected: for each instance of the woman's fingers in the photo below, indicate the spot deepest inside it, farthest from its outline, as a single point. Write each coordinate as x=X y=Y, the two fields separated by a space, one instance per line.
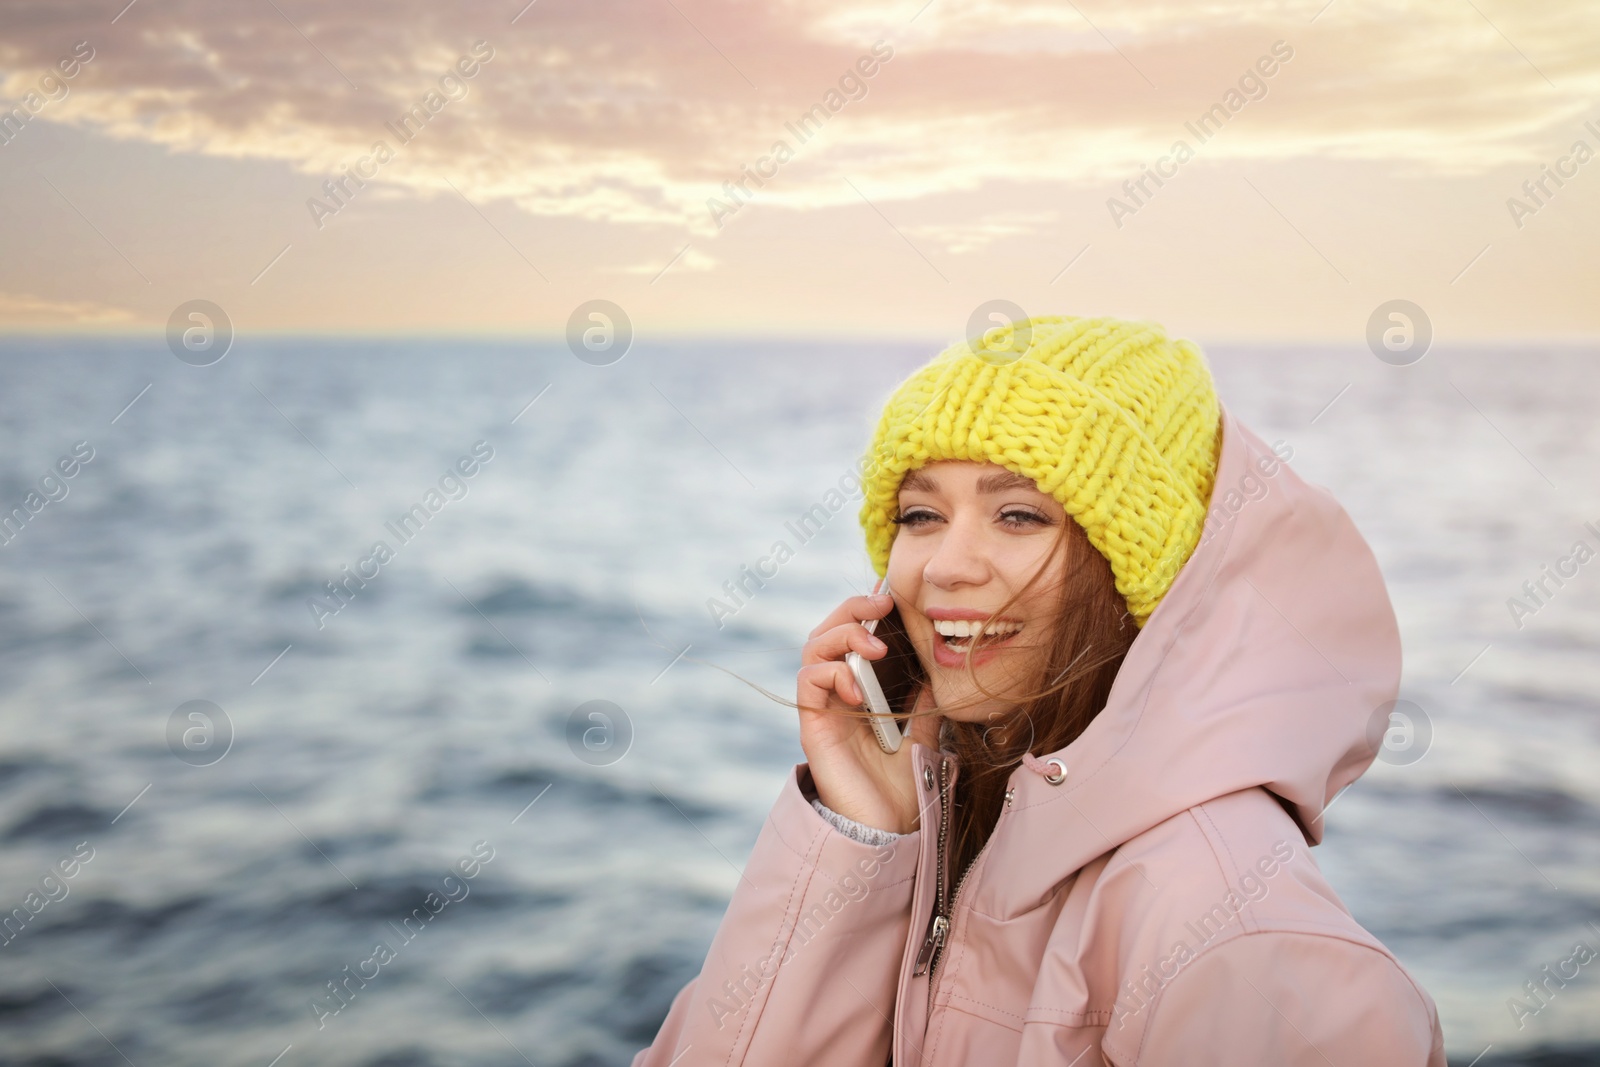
x=818 y=681
x=846 y=637
x=856 y=609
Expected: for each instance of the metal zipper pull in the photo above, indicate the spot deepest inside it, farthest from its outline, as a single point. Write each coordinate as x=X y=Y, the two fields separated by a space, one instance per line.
x=935 y=938
x=941 y=923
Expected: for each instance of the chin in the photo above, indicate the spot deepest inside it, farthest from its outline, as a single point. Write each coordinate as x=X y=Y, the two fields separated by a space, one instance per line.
x=954 y=688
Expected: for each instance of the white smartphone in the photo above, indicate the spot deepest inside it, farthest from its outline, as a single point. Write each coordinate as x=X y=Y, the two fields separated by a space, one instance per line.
x=883 y=723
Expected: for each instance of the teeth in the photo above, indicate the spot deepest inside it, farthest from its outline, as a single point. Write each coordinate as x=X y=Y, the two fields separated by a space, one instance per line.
x=963 y=628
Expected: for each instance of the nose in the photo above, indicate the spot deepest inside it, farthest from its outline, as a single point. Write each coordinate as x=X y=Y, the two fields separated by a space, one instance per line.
x=962 y=555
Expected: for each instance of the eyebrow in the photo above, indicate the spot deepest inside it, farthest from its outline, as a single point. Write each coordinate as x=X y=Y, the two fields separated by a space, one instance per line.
x=998 y=482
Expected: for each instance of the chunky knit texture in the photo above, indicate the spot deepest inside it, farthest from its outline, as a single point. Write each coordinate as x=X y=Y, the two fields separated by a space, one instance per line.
x=1111 y=418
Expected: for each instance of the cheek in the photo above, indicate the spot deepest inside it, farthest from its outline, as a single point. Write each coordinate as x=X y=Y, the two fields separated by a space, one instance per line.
x=1018 y=566
x=904 y=572
x=918 y=628
x=904 y=576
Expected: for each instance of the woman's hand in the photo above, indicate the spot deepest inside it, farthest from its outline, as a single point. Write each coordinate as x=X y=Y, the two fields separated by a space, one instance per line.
x=854 y=776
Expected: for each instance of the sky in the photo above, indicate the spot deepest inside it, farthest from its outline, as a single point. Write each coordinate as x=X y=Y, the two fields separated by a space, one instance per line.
x=901 y=164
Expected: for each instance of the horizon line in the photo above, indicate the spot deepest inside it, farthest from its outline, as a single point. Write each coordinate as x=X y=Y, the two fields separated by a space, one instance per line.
x=844 y=333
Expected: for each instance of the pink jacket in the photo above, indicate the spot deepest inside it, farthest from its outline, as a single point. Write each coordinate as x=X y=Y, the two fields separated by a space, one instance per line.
x=1159 y=905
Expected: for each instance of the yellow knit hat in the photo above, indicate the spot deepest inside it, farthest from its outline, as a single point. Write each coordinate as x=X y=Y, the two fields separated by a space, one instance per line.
x=1112 y=419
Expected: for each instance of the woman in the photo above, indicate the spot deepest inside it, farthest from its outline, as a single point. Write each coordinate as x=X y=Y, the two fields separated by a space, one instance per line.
x=1136 y=657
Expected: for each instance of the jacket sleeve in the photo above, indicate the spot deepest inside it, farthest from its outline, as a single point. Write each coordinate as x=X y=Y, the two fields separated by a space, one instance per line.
x=1290 y=998
x=804 y=966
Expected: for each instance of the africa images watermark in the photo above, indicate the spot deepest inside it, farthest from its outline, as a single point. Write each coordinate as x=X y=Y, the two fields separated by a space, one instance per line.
x=52 y=889
x=452 y=86
x=52 y=89
x=749 y=580
x=1226 y=504
x=1537 y=590
x=808 y=526
x=1577 y=155
x=1228 y=501
x=452 y=890
x=53 y=488
x=452 y=486
x=852 y=85
x=1252 y=86
x=740 y=993
x=1141 y=990
x=1542 y=988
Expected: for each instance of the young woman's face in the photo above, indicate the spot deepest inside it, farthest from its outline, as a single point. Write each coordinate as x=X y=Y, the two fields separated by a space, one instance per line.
x=971 y=536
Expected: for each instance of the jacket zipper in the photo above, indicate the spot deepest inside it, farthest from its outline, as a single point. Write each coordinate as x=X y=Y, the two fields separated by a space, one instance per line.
x=938 y=953
x=939 y=928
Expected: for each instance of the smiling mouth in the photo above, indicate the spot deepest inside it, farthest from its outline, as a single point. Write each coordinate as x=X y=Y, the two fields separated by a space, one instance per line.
x=960 y=635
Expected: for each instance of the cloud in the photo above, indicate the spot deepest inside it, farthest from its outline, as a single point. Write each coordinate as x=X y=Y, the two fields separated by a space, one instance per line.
x=970 y=236
x=691 y=259
x=637 y=112
x=25 y=309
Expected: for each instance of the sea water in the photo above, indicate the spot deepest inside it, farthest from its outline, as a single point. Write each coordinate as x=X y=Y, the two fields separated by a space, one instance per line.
x=373 y=723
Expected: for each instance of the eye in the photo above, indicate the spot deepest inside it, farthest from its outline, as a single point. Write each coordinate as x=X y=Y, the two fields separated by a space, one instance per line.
x=913 y=518
x=1020 y=518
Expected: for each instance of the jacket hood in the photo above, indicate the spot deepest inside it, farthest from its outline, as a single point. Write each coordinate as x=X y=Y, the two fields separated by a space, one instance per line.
x=1268 y=663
